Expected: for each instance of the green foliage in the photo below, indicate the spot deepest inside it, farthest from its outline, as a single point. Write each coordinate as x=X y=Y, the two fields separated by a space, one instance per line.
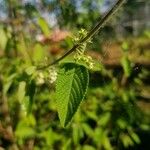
x=44 y=26
x=4 y=39
x=110 y=116
x=38 y=53
x=71 y=87
x=126 y=66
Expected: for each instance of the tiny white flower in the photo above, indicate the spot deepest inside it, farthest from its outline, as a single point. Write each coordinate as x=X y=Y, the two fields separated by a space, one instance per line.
x=91 y=65
x=52 y=75
x=40 y=78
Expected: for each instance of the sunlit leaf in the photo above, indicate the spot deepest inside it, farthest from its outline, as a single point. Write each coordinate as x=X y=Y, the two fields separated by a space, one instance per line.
x=21 y=91
x=44 y=26
x=39 y=53
x=126 y=66
x=30 y=70
x=71 y=87
x=3 y=40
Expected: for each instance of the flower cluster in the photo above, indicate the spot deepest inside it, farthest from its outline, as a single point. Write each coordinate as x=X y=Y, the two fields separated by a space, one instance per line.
x=79 y=55
x=85 y=59
x=49 y=75
x=82 y=33
x=52 y=74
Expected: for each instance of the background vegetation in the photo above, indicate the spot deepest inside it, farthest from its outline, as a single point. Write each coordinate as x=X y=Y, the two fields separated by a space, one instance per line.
x=115 y=113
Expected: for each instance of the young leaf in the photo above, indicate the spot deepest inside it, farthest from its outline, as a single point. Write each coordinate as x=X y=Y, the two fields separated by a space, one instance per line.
x=44 y=26
x=71 y=87
x=21 y=91
x=126 y=64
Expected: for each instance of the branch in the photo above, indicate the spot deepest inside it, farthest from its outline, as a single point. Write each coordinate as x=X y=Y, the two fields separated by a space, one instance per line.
x=91 y=33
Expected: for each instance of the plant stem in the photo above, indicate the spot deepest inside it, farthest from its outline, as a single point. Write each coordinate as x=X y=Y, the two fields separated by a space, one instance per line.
x=91 y=33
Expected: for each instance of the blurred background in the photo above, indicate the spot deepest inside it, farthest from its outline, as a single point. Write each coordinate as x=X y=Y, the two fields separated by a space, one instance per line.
x=115 y=114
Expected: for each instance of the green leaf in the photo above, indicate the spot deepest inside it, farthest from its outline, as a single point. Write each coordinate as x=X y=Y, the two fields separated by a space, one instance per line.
x=67 y=144
x=135 y=137
x=77 y=134
x=9 y=82
x=88 y=130
x=121 y=123
x=71 y=87
x=126 y=140
x=38 y=53
x=44 y=26
x=125 y=46
x=88 y=147
x=30 y=70
x=23 y=130
x=21 y=91
x=106 y=142
x=4 y=39
x=126 y=64
x=24 y=106
x=104 y=119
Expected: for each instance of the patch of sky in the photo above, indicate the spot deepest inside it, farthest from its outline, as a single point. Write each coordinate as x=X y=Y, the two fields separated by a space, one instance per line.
x=102 y=5
x=3 y=9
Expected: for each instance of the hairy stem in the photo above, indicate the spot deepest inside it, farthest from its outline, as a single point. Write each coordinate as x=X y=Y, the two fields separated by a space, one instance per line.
x=91 y=33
